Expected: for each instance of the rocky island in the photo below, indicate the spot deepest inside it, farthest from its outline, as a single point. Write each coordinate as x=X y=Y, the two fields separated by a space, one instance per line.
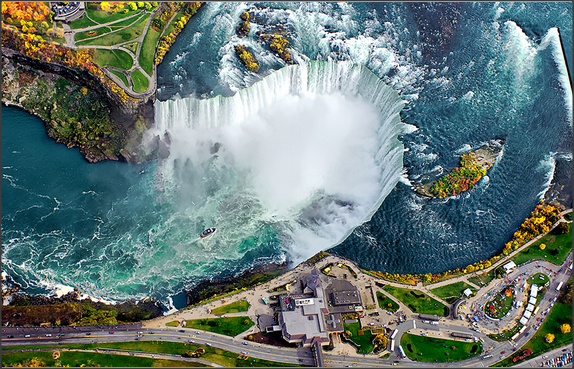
x=473 y=166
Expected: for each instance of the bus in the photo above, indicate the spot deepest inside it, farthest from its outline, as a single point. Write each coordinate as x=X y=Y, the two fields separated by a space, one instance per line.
x=394 y=334
x=487 y=356
x=392 y=345
x=559 y=286
x=265 y=301
x=536 y=310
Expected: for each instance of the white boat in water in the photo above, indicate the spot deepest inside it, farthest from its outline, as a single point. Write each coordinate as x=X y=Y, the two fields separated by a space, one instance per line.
x=208 y=232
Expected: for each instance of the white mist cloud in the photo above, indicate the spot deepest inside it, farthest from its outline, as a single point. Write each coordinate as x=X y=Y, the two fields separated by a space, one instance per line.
x=303 y=144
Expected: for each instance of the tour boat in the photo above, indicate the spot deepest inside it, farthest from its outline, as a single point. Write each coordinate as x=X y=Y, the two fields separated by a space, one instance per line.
x=208 y=232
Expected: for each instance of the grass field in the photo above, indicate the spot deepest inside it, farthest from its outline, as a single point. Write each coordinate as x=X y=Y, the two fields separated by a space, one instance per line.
x=568 y=216
x=364 y=341
x=452 y=290
x=132 y=46
x=228 y=326
x=214 y=355
x=147 y=51
x=118 y=37
x=88 y=34
x=556 y=251
x=141 y=83
x=417 y=301
x=113 y=58
x=122 y=77
x=82 y=23
x=76 y=359
x=429 y=349
x=101 y=16
x=386 y=303
x=234 y=307
x=538 y=279
x=560 y=314
x=127 y=22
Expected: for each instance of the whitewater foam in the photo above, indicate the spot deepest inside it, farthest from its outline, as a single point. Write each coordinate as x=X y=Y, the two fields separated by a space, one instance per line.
x=553 y=38
x=311 y=149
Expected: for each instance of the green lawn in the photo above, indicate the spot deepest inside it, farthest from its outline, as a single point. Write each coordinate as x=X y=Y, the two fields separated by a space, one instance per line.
x=82 y=23
x=132 y=46
x=234 y=307
x=126 y=22
x=113 y=58
x=76 y=359
x=485 y=278
x=560 y=314
x=501 y=304
x=101 y=16
x=568 y=216
x=452 y=290
x=122 y=77
x=118 y=37
x=228 y=326
x=386 y=303
x=364 y=341
x=147 y=52
x=422 y=304
x=141 y=83
x=556 y=251
x=429 y=349
x=84 y=35
x=536 y=279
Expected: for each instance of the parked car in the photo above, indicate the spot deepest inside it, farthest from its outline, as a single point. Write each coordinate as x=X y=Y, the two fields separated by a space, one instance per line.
x=111 y=332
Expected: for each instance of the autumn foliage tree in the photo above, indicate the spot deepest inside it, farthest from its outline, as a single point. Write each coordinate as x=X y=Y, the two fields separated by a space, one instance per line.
x=459 y=179
x=31 y=12
x=549 y=338
x=565 y=328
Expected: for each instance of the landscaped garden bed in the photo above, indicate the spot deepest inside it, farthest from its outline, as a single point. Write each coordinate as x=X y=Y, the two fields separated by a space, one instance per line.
x=500 y=305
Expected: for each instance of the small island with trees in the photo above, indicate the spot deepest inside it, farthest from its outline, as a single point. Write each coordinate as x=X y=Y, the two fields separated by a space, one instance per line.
x=473 y=166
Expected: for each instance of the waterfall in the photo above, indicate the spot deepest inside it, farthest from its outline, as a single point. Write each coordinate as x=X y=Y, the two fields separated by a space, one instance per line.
x=307 y=154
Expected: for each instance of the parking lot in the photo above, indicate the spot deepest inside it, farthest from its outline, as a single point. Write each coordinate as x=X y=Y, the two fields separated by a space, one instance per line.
x=560 y=361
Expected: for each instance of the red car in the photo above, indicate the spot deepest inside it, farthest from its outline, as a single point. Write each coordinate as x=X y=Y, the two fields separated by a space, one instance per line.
x=111 y=332
x=503 y=352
